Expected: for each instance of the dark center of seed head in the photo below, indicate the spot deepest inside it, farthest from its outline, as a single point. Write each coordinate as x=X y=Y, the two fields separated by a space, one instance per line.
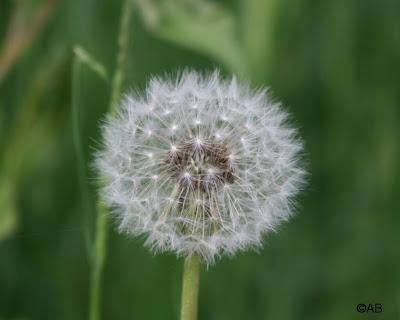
x=200 y=165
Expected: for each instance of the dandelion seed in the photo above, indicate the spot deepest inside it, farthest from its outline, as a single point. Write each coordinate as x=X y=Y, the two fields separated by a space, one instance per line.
x=217 y=185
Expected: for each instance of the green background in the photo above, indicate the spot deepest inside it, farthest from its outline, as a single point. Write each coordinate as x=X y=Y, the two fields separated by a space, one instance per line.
x=335 y=64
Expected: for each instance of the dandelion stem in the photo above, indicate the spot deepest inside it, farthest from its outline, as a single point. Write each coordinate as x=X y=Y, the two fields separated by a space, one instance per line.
x=102 y=219
x=190 y=288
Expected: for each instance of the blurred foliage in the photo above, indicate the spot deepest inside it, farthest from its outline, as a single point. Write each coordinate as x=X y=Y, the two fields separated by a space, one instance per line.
x=335 y=64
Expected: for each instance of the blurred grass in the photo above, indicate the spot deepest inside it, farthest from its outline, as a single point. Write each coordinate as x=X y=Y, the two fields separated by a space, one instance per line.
x=334 y=64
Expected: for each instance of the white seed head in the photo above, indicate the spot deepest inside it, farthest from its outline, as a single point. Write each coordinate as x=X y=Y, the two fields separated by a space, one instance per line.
x=200 y=165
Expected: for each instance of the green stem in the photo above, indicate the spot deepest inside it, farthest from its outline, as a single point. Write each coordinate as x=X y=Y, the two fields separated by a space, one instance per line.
x=122 y=56
x=100 y=255
x=83 y=186
x=102 y=219
x=190 y=288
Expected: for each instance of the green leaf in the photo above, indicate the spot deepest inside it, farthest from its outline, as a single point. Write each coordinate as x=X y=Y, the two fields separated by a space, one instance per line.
x=85 y=58
x=199 y=26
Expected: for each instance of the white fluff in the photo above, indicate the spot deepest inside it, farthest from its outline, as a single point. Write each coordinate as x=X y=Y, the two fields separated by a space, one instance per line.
x=223 y=217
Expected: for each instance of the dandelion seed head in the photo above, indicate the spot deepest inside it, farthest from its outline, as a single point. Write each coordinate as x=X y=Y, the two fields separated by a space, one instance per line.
x=200 y=165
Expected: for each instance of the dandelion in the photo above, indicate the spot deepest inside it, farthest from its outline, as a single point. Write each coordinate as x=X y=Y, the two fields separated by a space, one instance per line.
x=199 y=165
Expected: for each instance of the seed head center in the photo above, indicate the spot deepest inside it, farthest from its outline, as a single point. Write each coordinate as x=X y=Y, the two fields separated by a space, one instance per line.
x=200 y=165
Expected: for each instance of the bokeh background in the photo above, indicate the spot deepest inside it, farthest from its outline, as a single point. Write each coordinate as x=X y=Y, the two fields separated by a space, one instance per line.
x=335 y=64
